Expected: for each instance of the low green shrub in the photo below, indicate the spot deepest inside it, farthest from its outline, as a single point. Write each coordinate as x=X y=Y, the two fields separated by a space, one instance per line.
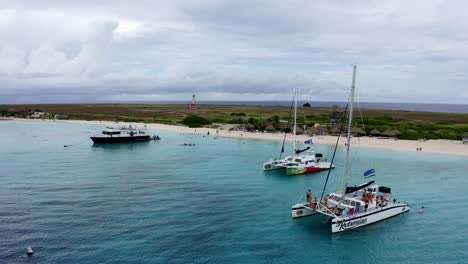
x=195 y=121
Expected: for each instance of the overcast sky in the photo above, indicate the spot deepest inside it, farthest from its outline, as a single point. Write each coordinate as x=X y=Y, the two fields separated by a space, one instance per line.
x=122 y=50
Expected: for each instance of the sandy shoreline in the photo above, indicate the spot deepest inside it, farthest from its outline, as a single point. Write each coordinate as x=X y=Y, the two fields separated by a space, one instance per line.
x=441 y=146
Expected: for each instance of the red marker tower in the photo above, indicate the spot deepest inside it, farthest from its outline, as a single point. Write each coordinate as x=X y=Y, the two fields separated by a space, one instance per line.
x=193 y=105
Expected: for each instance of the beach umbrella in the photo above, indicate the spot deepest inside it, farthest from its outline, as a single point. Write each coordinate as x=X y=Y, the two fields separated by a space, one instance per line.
x=249 y=127
x=334 y=131
x=396 y=132
x=388 y=133
x=299 y=130
x=358 y=131
x=284 y=124
x=270 y=128
x=375 y=132
x=313 y=131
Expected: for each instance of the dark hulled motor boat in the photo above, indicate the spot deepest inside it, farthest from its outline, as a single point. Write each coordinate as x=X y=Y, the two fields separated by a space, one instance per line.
x=122 y=135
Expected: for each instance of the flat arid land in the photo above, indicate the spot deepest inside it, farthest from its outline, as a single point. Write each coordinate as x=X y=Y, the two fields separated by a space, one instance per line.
x=439 y=146
x=412 y=125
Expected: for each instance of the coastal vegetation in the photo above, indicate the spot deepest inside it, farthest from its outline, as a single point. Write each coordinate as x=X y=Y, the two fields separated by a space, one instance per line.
x=195 y=121
x=401 y=124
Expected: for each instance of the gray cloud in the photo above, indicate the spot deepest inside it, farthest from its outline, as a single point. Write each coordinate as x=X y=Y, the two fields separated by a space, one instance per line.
x=232 y=50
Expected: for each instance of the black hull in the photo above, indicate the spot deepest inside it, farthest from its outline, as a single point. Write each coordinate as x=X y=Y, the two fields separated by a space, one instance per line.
x=106 y=140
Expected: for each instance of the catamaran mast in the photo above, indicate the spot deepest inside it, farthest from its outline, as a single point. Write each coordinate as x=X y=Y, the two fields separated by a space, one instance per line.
x=348 y=140
x=295 y=116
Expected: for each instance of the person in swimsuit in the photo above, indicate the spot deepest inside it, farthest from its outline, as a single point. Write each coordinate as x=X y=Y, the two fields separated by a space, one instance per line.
x=309 y=196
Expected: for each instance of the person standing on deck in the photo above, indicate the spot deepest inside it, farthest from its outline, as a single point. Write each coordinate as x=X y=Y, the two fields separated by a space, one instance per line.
x=309 y=196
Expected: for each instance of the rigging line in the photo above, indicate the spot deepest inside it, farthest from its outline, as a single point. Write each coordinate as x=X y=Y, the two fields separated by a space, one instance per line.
x=303 y=119
x=362 y=119
x=287 y=126
x=344 y=118
x=334 y=153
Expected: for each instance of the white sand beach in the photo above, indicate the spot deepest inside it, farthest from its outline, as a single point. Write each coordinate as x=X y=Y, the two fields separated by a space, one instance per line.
x=441 y=146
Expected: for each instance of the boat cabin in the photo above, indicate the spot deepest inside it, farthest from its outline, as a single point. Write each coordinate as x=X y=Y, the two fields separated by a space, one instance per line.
x=111 y=132
x=357 y=197
x=303 y=159
x=123 y=131
x=335 y=199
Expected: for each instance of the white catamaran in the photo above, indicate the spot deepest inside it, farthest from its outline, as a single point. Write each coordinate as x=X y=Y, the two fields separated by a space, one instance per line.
x=356 y=206
x=301 y=161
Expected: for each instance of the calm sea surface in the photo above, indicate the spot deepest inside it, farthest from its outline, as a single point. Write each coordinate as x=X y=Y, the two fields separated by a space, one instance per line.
x=160 y=202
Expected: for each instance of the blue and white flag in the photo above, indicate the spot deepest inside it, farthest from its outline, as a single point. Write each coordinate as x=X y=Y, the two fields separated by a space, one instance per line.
x=369 y=173
x=309 y=141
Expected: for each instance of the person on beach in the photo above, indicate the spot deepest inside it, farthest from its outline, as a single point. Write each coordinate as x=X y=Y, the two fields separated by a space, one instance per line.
x=309 y=196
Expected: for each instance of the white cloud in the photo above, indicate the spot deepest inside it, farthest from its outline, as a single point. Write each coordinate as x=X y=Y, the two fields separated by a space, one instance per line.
x=232 y=50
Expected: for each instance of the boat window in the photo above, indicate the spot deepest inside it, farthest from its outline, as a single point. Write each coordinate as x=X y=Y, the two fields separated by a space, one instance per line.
x=110 y=132
x=297 y=160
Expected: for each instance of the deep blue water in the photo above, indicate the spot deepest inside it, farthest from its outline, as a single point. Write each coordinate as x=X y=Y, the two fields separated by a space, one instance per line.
x=159 y=202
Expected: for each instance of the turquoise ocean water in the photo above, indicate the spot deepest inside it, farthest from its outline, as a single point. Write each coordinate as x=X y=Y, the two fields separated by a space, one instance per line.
x=160 y=202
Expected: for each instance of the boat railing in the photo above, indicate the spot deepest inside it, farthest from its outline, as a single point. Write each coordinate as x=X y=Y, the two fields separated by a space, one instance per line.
x=322 y=208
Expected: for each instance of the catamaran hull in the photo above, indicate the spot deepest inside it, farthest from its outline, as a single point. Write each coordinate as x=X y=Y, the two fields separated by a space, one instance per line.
x=269 y=167
x=340 y=225
x=301 y=210
x=307 y=169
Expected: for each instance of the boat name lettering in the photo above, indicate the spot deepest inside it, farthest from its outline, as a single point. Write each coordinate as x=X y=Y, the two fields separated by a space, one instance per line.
x=343 y=225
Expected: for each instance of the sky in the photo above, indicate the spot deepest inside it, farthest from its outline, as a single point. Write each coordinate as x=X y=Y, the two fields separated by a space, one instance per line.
x=58 y=51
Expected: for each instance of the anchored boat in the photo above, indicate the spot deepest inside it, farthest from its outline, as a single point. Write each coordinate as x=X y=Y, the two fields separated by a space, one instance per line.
x=311 y=162
x=302 y=161
x=356 y=206
x=123 y=134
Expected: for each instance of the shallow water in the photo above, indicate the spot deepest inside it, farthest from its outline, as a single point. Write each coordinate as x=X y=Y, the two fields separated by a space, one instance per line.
x=160 y=202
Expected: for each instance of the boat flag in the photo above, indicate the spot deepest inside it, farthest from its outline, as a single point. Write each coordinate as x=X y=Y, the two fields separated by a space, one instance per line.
x=369 y=173
x=309 y=141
